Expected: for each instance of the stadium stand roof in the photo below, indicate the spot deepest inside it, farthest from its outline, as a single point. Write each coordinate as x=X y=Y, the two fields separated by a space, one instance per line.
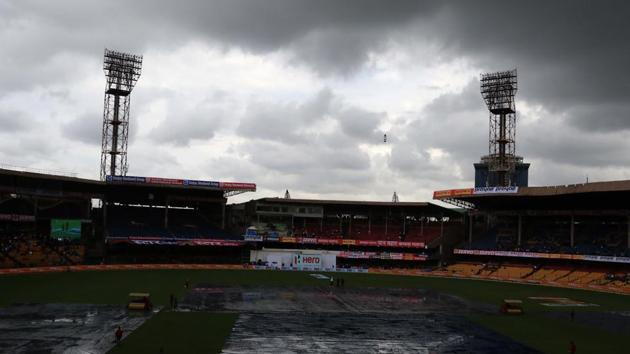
x=356 y=204
x=31 y=183
x=610 y=195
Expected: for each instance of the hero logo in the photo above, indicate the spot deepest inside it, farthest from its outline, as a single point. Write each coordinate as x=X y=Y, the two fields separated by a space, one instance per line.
x=311 y=260
x=308 y=261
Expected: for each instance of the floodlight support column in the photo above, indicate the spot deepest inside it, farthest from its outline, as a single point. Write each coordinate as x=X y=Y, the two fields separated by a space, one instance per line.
x=223 y=215
x=502 y=158
x=350 y=226
x=166 y=214
x=572 y=231
x=441 y=234
x=471 y=219
x=114 y=149
x=104 y=206
x=520 y=228
x=421 y=225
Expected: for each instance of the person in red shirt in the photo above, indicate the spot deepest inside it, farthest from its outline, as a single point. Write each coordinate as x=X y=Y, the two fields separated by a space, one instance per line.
x=572 y=347
x=119 y=334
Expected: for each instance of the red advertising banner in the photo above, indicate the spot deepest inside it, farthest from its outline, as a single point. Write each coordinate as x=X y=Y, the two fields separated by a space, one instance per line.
x=160 y=241
x=328 y=241
x=203 y=242
x=383 y=255
x=350 y=242
x=453 y=193
x=169 y=181
x=238 y=186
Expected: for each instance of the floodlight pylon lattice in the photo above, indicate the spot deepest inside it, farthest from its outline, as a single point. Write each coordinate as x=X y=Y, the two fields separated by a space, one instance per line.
x=498 y=91
x=122 y=71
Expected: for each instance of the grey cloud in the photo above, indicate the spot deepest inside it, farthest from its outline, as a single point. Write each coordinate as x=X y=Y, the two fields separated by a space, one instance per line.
x=314 y=144
x=182 y=129
x=185 y=122
x=361 y=124
x=553 y=141
x=286 y=121
x=330 y=36
x=296 y=123
x=572 y=59
x=599 y=117
x=309 y=167
x=86 y=128
x=568 y=53
x=455 y=123
x=12 y=121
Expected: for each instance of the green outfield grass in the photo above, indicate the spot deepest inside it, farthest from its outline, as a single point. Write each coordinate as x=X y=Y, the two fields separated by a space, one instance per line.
x=112 y=287
x=180 y=333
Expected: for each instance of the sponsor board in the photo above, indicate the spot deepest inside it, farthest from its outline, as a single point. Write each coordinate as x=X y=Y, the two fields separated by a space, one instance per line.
x=238 y=186
x=126 y=179
x=158 y=241
x=449 y=193
x=495 y=190
x=272 y=236
x=350 y=242
x=308 y=261
x=543 y=255
x=382 y=255
x=196 y=183
x=167 y=181
x=606 y=259
x=182 y=182
x=328 y=241
x=252 y=237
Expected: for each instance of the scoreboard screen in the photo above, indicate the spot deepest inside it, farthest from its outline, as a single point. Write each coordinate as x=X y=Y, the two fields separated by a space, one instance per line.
x=69 y=229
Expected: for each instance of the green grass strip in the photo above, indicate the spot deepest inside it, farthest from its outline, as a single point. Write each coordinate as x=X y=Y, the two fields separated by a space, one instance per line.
x=179 y=333
x=550 y=335
x=113 y=287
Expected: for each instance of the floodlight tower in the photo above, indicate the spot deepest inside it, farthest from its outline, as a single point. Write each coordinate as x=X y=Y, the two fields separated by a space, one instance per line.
x=498 y=90
x=122 y=71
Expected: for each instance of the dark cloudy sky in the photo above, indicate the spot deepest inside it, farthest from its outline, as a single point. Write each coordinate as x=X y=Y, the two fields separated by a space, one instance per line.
x=297 y=95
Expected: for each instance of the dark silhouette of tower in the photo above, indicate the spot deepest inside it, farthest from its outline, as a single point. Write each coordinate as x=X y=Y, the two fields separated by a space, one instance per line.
x=501 y=167
x=122 y=71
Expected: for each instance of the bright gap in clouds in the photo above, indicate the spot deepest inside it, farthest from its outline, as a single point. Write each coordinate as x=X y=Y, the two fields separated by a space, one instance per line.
x=189 y=103
x=210 y=93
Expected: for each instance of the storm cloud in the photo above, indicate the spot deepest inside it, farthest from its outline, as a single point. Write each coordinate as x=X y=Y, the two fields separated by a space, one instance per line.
x=298 y=94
